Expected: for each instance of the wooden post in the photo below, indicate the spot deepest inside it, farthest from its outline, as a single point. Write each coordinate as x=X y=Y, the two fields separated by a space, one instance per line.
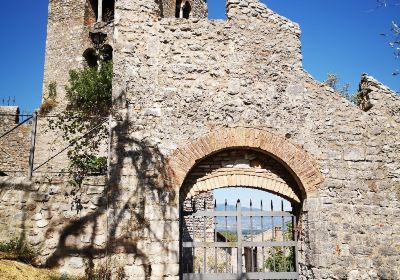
x=33 y=141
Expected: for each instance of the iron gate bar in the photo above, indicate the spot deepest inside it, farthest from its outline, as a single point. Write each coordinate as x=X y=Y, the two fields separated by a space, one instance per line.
x=243 y=214
x=33 y=145
x=239 y=238
x=226 y=229
x=235 y=276
x=235 y=244
x=241 y=244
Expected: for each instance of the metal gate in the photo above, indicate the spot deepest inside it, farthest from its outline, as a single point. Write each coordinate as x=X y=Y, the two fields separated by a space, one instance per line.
x=235 y=242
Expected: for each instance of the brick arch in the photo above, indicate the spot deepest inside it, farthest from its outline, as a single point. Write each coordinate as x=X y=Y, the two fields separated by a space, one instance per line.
x=302 y=167
x=236 y=177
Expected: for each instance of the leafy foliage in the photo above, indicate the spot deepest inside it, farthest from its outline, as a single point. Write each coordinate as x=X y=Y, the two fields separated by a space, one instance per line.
x=281 y=259
x=90 y=163
x=83 y=122
x=90 y=90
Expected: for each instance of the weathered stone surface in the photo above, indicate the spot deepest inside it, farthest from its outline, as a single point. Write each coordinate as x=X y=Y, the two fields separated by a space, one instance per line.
x=14 y=152
x=186 y=90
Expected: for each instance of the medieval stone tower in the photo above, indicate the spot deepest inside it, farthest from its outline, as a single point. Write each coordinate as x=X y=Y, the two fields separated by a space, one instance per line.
x=200 y=105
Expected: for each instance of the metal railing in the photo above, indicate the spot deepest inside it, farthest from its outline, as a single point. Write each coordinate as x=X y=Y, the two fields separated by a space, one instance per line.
x=42 y=149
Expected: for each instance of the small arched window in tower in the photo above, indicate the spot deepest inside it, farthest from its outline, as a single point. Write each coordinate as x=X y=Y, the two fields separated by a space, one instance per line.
x=99 y=11
x=90 y=57
x=187 y=8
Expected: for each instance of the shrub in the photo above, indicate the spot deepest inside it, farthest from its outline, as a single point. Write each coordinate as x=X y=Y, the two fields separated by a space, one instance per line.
x=47 y=106
x=50 y=102
x=90 y=90
x=18 y=250
x=103 y=272
x=88 y=164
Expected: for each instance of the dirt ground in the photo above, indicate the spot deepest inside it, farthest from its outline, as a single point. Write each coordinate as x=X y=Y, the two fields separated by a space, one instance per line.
x=12 y=270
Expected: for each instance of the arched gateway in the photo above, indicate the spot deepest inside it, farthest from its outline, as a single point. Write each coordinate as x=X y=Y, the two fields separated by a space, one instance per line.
x=246 y=158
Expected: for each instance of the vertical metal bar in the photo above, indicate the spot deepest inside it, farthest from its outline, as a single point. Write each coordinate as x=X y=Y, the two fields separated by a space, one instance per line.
x=283 y=239
x=251 y=238
x=226 y=230
x=194 y=224
x=296 y=253
x=181 y=240
x=33 y=143
x=204 y=240
x=239 y=238
x=273 y=235
x=215 y=239
x=262 y=238
x=292 y=237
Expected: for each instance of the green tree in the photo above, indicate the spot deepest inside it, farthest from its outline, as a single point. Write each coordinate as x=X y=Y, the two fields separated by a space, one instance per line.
x=281 y=259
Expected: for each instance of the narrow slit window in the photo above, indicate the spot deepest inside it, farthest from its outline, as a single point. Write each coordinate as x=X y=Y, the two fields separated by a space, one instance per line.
x=187 y=8
x=178 y=8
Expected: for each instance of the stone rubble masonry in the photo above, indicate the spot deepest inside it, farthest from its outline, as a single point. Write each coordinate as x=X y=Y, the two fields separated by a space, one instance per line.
x=186 y=90
x=14 y=147
x=168 y=8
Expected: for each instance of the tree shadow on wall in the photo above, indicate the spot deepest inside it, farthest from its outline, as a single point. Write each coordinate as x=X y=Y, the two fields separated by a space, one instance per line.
x=136 y=161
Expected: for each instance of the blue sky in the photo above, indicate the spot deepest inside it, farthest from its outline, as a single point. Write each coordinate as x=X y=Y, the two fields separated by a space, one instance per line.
x=339 y=36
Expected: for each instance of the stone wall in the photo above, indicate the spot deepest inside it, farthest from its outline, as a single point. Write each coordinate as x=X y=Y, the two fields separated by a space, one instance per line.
x=183 y=79
x=185 y=90
x=61 y=222
x=168 y=8
x=15 y=146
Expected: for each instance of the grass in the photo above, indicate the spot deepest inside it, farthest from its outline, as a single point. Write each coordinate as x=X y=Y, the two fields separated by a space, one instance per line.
x=17 y=249
x=13 y=270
